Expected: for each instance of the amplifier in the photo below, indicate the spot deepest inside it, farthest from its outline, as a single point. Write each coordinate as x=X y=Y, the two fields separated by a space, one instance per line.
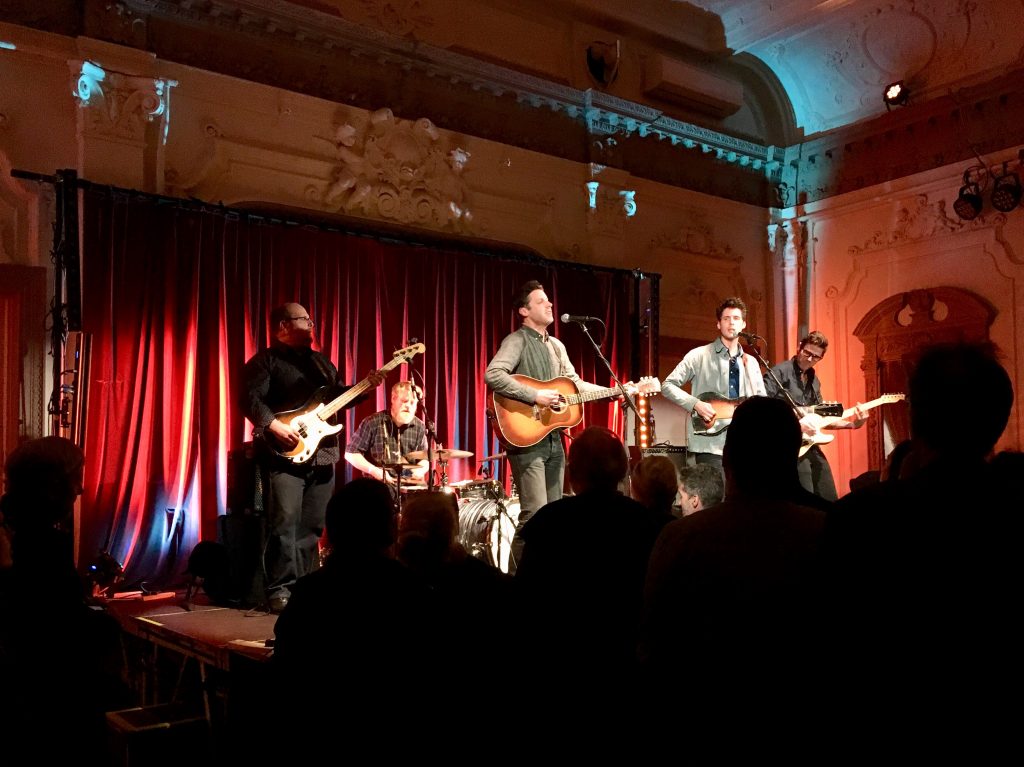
x=675 y=453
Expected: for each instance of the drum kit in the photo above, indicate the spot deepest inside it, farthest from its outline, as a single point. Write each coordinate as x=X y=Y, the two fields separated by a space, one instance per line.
x=487 y=515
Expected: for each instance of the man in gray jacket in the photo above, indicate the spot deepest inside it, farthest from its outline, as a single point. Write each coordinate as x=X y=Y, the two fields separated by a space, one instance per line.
x=720 y=368
x=538 y=470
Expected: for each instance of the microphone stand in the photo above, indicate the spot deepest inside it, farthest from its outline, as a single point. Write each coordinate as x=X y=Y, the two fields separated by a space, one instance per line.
x=768 y=369
x=597 y=350
x=430 y=427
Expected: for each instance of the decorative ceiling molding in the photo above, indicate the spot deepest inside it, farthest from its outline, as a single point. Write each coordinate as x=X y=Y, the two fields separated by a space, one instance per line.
x=324 y=34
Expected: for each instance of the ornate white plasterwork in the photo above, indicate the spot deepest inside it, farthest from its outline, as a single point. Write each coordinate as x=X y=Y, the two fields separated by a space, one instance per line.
x=118 y=105
x=399 y=170
x=697 y=237
x=919 y=219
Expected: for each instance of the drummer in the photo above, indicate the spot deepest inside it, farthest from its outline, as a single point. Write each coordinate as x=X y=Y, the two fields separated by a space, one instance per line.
x=381 y=446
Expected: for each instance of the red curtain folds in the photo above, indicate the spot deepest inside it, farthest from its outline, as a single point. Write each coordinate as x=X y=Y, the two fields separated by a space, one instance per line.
x=176 y=299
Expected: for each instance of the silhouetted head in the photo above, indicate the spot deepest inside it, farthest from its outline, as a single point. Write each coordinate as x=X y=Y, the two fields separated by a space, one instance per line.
x=361 y=516
x=945 y=376
x=761 y=449
x=654 y=482
x=43 y=479
x=597 y=460
x=428 y=530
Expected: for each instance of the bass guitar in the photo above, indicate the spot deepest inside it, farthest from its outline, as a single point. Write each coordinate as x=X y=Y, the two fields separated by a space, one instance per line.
x=310 y=420
x=522 y=424
x=725 y=407
x=818 y=438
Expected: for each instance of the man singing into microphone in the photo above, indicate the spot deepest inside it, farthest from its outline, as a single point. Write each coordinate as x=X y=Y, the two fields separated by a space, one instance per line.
x=720 y=368
x=538 y=470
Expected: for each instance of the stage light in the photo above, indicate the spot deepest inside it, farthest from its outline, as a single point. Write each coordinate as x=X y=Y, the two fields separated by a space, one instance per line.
x=895 y=94
x=104 y=574
x=1006 y=191
x=968 y=203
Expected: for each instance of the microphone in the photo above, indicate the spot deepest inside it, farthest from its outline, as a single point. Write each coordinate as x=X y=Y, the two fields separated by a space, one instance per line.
x=750 y=337
x=579 y=318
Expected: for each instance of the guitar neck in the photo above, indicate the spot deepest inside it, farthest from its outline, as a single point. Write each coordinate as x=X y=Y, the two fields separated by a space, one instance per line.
x=356 y=391
x=591 y=396
x=866 y=406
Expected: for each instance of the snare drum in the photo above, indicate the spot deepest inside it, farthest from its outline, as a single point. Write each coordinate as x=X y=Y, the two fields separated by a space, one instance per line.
x=485 y=532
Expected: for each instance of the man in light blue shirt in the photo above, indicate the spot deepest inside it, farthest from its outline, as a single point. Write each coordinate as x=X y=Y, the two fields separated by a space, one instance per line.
x=720 y=368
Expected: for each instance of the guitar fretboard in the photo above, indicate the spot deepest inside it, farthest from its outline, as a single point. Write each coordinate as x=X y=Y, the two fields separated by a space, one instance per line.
x=590 y=396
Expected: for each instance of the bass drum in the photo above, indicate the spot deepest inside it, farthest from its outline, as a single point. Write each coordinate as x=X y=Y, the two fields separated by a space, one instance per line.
x=485 y=532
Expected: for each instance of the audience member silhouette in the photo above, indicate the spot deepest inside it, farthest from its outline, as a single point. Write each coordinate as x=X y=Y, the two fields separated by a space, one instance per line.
x=356 y=640
x=654 y=483
x=731 y=593
x=62 y=659
x=473 y=599
x=925 y=574
x=581 y=581
x=700 y=486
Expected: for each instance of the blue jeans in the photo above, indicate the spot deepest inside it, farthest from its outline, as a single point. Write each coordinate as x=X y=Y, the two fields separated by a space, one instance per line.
x=539 y=474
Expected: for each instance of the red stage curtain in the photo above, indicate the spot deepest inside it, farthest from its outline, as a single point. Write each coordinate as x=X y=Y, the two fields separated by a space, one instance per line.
x=176 y=299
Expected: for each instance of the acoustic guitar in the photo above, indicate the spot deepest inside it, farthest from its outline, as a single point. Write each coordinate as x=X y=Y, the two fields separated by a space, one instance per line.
x=725 y=407
x=522 y=424
x=310 y=420
x=829 y=422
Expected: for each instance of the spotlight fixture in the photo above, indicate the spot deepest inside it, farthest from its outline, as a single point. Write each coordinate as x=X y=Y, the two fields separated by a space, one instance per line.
x=968 y=203
x=1006 y=191
x=104 y=574
x=895 y=95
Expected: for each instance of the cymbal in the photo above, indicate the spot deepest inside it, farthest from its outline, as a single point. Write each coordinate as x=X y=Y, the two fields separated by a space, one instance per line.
x=492 y=457
x=399 y=465
x=443 y=454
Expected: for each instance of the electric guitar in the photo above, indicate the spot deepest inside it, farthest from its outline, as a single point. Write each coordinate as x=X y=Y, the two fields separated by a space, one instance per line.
x=522 y=424
x=810 y=440
x=310 y=420
x=725 y=407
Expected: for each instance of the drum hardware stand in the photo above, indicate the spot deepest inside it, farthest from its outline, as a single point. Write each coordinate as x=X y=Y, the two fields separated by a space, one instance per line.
x=494 y=529
x=397 y=470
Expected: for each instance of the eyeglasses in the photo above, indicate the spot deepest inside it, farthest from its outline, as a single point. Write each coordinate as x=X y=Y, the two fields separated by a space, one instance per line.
x=306 y=318
x=811 y=355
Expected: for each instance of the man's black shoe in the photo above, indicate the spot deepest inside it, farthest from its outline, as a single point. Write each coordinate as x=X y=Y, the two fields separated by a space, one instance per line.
x=277 y=604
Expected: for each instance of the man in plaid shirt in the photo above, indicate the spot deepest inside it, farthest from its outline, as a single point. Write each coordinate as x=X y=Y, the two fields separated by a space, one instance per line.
x=389 y=436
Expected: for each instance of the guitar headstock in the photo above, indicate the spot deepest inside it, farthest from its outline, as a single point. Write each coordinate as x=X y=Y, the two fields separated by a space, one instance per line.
x=829 y=409
x=648 y=386
x=888 y=399
x=410 y=351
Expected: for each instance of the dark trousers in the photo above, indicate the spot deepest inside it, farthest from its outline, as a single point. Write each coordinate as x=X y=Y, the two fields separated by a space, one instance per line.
x=816 y=475
x=539 y=474
x=296 y=506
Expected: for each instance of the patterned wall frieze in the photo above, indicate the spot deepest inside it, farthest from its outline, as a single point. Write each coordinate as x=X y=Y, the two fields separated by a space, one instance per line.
x=922 y=219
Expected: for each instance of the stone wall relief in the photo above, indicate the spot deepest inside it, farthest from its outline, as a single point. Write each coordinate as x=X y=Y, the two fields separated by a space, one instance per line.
x=118 y=106
x=399 y=170
x=919 y=218
x=699 y=270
